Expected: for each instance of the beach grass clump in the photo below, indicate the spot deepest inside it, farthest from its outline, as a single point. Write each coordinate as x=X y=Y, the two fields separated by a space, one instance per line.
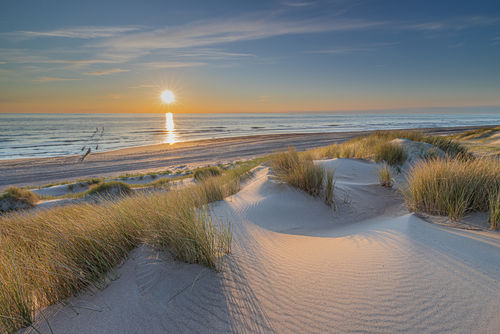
x=477 y=133
x=494 y=214
x=392 y=154
x=300 y=172
x=49 y=255
x=206 y=172
x=452 y=186
x=365 y=147
x=109 y=189
x=164 y=183
x=384 y=175
x=15 y=198
x=378 y=146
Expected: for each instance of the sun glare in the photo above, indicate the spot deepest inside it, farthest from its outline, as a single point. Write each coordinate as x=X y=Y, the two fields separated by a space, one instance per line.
x=167 y=96
x=171 y=136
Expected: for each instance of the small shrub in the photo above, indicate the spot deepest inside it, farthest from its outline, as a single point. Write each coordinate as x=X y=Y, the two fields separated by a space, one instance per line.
x=384 y=175
x=71 y=186
x=16 y=198
x=109 y=189
x=201 y=174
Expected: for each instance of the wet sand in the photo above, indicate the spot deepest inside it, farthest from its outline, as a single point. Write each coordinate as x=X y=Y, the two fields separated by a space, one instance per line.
x=41 y=171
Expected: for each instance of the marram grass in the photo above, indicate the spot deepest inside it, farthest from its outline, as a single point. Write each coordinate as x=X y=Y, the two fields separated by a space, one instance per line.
x=377 y=146
x=18 y=196
x=453 y=186
x=49 y=255
x=384 y=175
x=299 y=171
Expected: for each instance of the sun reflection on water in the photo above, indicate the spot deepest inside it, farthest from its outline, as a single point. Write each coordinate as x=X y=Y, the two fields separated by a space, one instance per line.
x=171 y=136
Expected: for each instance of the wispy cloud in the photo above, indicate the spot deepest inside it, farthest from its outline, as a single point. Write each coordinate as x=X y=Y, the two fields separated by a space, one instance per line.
x=457 y=23
x=75 y=32
x=79 y=61
x=106 y=72
x=299 y=3
x=352 y=49
x=215 y=32
x=212 y=54
x=50 y=79
x=163 y=65
x=143 y=86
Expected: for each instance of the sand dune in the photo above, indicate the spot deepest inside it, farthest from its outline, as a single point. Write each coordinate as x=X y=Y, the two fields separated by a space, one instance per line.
x=299 y=267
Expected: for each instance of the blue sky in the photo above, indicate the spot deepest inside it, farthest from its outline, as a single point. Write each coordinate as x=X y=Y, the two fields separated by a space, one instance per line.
x=242 y=56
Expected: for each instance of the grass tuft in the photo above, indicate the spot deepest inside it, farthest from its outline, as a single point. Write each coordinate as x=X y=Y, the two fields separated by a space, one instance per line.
x=452 y=186
x=300 y=172
x=16 y=198
x=384 y=175
x=206 y=172
x=108 y=189
x=494 y=202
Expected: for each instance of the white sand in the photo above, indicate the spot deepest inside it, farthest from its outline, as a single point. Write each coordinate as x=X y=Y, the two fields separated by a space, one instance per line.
x=298 y=267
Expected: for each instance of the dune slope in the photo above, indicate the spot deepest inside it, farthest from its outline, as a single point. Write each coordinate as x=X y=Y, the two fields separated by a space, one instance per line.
x=297 y=266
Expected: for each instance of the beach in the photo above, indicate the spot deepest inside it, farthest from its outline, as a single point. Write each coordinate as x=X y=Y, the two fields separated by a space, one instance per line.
x=312 y=242
x=297 y=266
x=152 y=158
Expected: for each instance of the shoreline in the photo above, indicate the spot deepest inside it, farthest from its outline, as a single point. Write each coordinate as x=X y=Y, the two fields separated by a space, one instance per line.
x=158 y=157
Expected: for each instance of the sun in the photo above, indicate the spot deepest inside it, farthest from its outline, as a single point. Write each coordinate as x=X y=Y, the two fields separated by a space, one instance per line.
x=167 y=96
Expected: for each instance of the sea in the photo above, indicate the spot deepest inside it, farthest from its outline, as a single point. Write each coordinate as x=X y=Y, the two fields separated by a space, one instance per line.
x=50 y=135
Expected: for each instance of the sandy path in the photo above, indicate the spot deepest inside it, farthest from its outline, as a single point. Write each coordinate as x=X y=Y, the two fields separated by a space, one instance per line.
x=22 y=172
x=296 y=267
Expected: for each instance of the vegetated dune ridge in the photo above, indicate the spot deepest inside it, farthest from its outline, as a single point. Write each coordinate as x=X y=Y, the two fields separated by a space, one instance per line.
x=296 y=266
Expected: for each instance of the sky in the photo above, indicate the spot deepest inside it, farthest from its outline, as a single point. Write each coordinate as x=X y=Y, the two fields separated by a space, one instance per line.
x=249 y=56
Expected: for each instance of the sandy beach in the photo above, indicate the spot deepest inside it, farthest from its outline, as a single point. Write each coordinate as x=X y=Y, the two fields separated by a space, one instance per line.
x=297 y=266
x=40 y=171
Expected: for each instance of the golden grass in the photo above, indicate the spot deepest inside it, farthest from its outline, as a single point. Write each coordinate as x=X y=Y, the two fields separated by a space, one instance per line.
x=384 y=175
x=50 y=255
x=17 y=196
x=377 y=147
x=110 y=188
x=206 y=172
x=300 y=172
x=452 y=186
x=494 y=202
